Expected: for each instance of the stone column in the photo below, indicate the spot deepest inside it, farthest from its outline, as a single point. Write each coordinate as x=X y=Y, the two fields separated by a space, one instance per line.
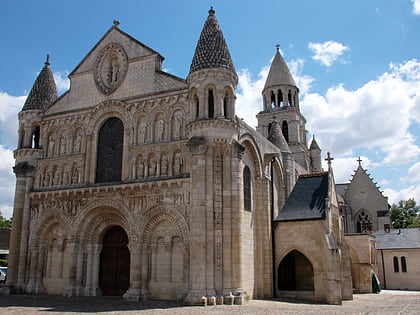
x=79 y=272
x=30 y=287
x=198 y=226
x=72 y=269
x=145 y=272
x=17 y=256
x=39 y=287
x=134 y=292
x=95 y=270
x=89 y=269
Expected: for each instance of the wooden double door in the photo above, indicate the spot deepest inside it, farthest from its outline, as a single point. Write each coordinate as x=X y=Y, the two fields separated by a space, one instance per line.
x=114 y=272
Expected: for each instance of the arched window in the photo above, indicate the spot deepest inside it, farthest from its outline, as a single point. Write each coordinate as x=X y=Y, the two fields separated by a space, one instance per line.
x=247 y=188
x=273 y=100
x=285 y=130
x=35 y=137
x=211 y=104
x=403 y=264
x=289 y=98
x=396 y=266
x=269 y=128
x=363 y=223
x=197 y=106
x=280 y=95
x=110 y=147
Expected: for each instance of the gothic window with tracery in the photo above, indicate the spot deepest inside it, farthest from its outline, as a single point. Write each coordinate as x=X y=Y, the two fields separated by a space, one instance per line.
x=363 y=223
x=110 y=147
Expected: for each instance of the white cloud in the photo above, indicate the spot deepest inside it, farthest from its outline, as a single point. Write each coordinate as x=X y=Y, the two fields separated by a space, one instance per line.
x=414 y=173
x=404 y=194
x=327 y=52
x=62 y=81
x=375 y=116
x=303 y=81
x=249 y=98
x=9 y=109
x=7 y=181
x=416 y=7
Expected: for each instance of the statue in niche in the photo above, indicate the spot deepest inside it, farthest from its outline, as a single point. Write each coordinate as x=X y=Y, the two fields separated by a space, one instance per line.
x=142 y=132
x=164 y=166
x=56 y=179
x=78 y=142
x=47 y=178
x=114 y=70
x=140 y=169
x=177 y=125
x=63 y=144
x=65 y=178
x=51 y=146
x=152 y=167
x=178 y=164
x=74 y=175
x=159 y=129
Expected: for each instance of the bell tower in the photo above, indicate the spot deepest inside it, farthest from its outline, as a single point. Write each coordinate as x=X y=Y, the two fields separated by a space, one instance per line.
x=281 y=104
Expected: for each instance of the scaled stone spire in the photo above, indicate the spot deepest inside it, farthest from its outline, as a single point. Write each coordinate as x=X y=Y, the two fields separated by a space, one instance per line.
x=211 y=50
x=279 y=73
x=276 y=137
x=44 y=90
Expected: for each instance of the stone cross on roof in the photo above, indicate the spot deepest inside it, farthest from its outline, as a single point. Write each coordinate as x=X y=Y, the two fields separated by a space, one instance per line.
x=329 y=159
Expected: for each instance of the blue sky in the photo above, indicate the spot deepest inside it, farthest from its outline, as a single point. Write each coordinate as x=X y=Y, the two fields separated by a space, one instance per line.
x=356 y=63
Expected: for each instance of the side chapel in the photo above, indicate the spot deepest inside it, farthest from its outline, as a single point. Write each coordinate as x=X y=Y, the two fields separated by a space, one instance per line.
x=141 y=184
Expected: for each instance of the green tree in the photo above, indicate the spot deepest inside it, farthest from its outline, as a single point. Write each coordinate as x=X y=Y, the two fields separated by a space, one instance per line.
x=405 y=215
x=5 y=222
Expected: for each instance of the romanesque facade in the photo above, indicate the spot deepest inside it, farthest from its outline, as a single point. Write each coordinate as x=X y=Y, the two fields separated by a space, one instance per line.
x=141 y=184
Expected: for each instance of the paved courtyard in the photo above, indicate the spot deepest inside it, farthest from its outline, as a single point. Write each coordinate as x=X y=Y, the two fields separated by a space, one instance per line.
x=387 y=302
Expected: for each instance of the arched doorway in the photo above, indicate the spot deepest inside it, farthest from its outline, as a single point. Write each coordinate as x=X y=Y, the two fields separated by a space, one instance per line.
x=114 y=274
x=295 y=273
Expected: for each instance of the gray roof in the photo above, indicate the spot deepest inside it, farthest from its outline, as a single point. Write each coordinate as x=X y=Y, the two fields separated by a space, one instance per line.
x=314 y=145
x=279 y=73
x=341 y=188
x=398 y=239
x=211 y=50
x=44 y=90
x=307 y=200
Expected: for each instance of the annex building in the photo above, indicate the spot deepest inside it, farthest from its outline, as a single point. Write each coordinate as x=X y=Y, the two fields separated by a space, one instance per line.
x=141 y=184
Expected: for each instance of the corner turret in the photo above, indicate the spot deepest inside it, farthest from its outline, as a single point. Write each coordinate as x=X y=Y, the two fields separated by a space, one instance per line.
x=212 y=79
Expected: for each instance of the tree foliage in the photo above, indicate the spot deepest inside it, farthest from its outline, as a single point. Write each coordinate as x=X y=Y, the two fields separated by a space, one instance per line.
x=405 y=215
x=5 y=222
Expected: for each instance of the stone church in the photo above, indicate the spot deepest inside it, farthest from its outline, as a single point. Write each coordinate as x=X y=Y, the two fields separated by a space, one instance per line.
x=141 y=184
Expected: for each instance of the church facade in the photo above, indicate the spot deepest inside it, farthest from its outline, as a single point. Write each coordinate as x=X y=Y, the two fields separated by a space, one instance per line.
x=141 y=184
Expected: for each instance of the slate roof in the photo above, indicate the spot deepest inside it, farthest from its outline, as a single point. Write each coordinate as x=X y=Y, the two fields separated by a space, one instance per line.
x=44 y=90
x=211 y=50
x=307 y=200
x=4 y=237
x=341 y=189
x=279 y=73
x=398 y=239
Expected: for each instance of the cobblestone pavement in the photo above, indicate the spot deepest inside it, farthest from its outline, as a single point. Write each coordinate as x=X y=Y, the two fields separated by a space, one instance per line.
x=387 y=302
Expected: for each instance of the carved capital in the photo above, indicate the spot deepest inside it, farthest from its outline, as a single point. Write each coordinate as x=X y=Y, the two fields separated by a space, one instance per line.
x=22 y=169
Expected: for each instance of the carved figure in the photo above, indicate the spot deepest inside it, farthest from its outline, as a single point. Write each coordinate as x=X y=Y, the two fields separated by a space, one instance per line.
x=77 y=142
x=142 y=132
x=152 y=167
x=159 y=129
x=164 y=166
x=63 y=144
x=51 y=143
x=140 y=169
x=177 y=125
x=178 y=164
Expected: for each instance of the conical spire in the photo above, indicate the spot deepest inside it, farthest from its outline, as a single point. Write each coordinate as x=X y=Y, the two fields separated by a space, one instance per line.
x=276 y=137
x=314 y=145
x=279 y=73
x=211 y=50
x=44 y=90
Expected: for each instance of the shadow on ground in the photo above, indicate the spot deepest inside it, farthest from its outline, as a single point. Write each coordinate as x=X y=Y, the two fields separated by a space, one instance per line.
x=82 y=304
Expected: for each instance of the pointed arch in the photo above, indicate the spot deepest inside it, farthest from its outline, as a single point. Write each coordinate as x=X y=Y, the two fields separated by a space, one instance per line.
x=295 y=272
x=248 y=141
x=285 y=130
